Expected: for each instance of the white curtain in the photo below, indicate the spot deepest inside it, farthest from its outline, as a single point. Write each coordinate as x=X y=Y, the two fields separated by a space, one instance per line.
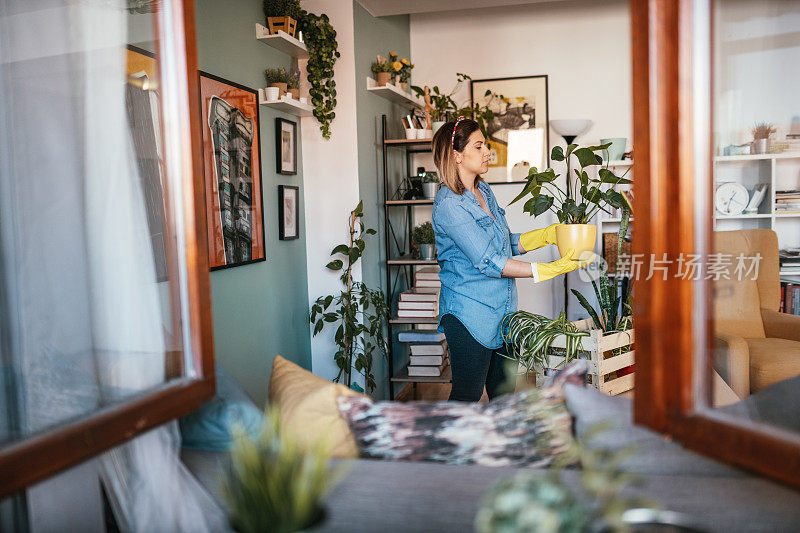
x=82 y=324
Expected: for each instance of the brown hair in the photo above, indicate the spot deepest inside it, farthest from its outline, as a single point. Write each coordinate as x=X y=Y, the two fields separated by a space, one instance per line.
x=443 y=156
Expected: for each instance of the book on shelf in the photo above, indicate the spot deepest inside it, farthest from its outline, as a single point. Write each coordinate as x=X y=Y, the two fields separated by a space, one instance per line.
x=428 y=306
x=428 y=349
x=417 y=313
x=422 y=283
x=427 y=290
x=420 y=336
x=790 y=297
x=427 y=326
x=427 y=273
x=414 y=295
x=426 y=360
x=426 y=371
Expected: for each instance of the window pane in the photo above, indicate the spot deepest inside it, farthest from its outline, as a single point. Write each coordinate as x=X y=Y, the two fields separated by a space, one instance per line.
x=90 y=310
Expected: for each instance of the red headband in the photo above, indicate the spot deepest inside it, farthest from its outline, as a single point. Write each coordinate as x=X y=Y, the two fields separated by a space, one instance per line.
x=453 y=137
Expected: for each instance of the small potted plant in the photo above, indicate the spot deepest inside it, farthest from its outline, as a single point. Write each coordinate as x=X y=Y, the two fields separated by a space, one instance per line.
x=423 y=237
x=293 y=84
x=382 y=70
x=278 y=77
x=761 y=133
x=430 y=185
x=282 y=15
x=405 y=74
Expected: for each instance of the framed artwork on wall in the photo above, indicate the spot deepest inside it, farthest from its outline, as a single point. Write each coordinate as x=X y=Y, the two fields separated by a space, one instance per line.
x=289 y=212
x=286 y=146
x=232 y=172
x=519 y=133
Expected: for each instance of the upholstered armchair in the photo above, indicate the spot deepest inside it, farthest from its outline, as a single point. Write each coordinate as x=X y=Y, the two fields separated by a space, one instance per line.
x=755 y=345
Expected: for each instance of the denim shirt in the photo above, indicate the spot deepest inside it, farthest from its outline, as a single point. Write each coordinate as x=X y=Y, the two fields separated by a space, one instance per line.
x=473 y=249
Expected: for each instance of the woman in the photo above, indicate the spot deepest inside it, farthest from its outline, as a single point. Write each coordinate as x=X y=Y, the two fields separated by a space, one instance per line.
x=474 y=247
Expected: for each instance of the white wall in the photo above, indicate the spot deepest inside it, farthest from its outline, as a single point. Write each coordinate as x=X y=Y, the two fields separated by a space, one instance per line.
x=330 y=174
x=583 y=47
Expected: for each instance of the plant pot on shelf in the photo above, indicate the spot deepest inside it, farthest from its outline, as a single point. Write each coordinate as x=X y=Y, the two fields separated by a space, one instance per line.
x=761 y=146
x=580 y=237
x=383 y=78
x=285 y=24
x=402 y=85
x=295 y=93
x=617 y=148
x=426 y=251
x=429 y=189
x=436 y=124
x=281 y=88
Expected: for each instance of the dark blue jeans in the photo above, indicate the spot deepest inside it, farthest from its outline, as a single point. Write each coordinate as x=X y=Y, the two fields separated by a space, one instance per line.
x=473 y=364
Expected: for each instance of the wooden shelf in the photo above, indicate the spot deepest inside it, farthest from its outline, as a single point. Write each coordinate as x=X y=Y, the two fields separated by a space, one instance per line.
x=390 y=92
x=432 y=320
x=757 y=157
x=409 y=202
x=402 y=376
x=407 y=141
x=289 y=105
x=404 y=261
x=282 y=41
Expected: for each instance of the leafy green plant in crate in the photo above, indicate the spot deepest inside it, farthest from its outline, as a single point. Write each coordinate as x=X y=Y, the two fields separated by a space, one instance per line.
x=361 y=312
x=528 y=338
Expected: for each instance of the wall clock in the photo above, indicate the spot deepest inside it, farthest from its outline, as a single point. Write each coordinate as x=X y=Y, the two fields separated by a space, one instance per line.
x=731 y=199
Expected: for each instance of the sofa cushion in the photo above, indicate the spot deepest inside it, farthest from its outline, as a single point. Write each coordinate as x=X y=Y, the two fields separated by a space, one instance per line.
x=529 y=428
x=778 y=405
x=308 y=407
x=654 y=454
x=210 y=427
x=772 y=360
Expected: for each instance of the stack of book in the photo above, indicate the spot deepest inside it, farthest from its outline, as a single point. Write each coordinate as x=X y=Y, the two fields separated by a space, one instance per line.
x=428 y=278
x=790 y=297
x=787 y=201
x=789 y=260
x=418 y=304
x=428 y=351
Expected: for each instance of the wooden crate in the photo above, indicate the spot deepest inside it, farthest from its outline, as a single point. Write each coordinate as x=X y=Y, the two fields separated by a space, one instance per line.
x=285 y=24
x=597 y=350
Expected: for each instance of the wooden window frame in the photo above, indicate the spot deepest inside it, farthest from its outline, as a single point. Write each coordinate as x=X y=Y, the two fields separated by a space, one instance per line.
x=671 y=52
x=30 y=460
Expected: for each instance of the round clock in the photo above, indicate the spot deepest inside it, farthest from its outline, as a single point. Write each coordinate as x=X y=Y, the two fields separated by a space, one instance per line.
x=731 y=199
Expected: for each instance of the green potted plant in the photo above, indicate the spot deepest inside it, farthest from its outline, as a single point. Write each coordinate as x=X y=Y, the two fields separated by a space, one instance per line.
x=293 y=84
x=528 y=338
x=278 y=77
x=361 y=312
x=443 y=104
x=274 y=483
x=282 y=15
x=405 y=74
x=430 y=185
x=761 y=133
x=422 y=235
x=382 y=70
x=583 y=198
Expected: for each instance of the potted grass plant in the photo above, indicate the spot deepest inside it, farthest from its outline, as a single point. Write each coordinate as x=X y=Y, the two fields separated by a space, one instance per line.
x=382 y=70
x=761 y=133
x=422 y=235
x=293 y=83
x=583 y=197
x=278 y=77
x=430 y=185
x=282 y=15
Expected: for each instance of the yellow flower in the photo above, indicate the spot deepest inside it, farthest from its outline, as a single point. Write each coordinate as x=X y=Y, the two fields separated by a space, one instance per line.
x=397 y=65
x=405 y=61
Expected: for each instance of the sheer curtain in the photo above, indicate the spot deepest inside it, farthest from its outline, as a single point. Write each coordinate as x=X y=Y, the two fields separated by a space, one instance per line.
x=81 y=324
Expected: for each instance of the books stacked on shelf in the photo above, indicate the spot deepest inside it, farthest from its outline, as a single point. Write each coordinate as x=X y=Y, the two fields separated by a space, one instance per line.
x=428 y=277
x=428 y=351
x=790 y=297
x=415 y=304
x=789 y=260
x=787 y=201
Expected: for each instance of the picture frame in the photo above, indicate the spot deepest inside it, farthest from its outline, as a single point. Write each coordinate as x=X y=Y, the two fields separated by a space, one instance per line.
x=286 y=146
x=288 y=212
x=525 y=107
x=232 y=176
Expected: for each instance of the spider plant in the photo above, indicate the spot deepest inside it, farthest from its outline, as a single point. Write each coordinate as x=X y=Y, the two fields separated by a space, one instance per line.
x=528 y=338
x=613 y=294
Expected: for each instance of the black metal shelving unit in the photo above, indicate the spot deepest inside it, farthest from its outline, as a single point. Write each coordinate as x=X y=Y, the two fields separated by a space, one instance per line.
x=400 y=262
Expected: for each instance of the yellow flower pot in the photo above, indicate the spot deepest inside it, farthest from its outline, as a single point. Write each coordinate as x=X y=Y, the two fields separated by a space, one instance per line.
x=581 y=237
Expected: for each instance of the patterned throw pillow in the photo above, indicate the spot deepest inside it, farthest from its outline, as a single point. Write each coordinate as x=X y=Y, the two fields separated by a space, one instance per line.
x=528 y=428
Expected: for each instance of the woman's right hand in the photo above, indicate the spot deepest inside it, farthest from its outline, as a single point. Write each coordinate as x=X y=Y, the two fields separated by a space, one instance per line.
x=561 y=266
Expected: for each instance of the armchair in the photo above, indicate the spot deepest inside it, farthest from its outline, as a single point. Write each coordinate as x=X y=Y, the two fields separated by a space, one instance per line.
x=755 y=345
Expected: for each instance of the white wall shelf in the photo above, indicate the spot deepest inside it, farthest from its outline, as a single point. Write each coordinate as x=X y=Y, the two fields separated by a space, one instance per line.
x=289 y=105
x=393 y=93
x=282 y=41
x=757 y=157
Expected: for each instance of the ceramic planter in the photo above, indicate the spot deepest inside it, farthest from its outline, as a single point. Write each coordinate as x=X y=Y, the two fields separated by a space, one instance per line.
x=281 y=88
x=295 y=93
x=403 y=86
x=425 y=250
x=581 y=237
x=383 y=78
x=617 y=148
x=429 y=189
x=761 y=146
x=286 y=24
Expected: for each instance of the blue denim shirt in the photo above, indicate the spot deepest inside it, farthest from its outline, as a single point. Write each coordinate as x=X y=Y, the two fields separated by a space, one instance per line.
x=472 y=250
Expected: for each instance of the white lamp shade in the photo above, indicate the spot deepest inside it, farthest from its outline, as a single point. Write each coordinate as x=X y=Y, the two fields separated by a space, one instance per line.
x=525 y=150
x=570 y=126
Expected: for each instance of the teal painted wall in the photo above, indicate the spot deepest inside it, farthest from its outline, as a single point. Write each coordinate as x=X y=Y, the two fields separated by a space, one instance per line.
x=260 y=310
x=378 y=36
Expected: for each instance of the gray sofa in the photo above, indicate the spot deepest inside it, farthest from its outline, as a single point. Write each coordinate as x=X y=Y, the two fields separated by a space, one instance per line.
x=388 y=496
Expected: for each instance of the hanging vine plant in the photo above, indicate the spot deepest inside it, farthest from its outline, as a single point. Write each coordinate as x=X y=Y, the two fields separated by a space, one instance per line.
x=320 y=39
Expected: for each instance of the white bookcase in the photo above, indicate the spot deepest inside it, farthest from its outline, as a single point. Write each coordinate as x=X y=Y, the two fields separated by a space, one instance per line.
x=778 y=171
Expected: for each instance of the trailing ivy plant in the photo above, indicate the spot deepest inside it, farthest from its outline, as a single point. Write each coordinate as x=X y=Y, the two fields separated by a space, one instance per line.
x=528 y=338
x=361 y=312
x=320 y=39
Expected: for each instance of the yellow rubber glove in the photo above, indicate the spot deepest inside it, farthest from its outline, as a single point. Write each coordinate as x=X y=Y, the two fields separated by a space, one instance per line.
x=566 y=264
x=537 y=238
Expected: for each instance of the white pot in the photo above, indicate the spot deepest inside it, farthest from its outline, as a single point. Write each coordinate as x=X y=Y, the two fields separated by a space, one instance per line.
x=426 y=251
x=411 y=133
x=429 y=189
x=437 y=124
x=272 y=93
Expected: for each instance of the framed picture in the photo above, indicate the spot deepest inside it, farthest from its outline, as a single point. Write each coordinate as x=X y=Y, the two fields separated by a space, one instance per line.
x=232 y=172
x=289 y=223
x=519 y=133
x=286 y=146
